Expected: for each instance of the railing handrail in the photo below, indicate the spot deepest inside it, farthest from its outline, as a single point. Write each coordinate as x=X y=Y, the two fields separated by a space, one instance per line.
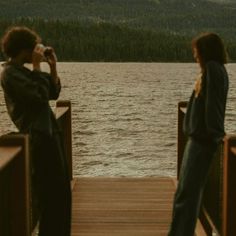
x=229 y=194
x=60 y=112
x=7 y=155
x=11 y=146
x=63 y=112
x=233 y=150
x=15 y=171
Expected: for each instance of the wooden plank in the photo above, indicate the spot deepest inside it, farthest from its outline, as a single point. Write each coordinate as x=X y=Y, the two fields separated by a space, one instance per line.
x=60 y=111
x=233 y=150
x=72 y=183
x=128 y=216
x=119 y=229
x=122 y=206
x=19 y=203
x=183 y=109
x=229 y=190
x=7 y=154
x=63 y=109
x=124 y=180
x=199 y=229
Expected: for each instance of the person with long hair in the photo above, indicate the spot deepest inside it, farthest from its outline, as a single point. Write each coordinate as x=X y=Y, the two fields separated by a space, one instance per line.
x=27 y=93
x=204 y=127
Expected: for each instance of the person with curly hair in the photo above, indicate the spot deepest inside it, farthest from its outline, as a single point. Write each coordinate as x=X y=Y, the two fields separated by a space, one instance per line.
x=27 y=93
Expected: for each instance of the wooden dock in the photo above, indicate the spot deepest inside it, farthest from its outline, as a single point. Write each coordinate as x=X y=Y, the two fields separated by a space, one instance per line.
x=122 y=206
x=115 y=206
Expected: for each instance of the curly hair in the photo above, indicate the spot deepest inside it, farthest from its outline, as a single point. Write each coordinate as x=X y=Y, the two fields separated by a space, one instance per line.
x=18 y=38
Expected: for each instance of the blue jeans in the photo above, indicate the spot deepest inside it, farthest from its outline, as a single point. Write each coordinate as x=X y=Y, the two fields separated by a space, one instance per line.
x=193 y=175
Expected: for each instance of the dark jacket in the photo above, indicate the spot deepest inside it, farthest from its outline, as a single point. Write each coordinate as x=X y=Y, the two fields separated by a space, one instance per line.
x=27 y=94
x=204 y=119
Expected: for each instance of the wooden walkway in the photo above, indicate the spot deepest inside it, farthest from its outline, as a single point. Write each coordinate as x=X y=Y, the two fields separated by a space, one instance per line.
x=115 y=206
x=122 y=206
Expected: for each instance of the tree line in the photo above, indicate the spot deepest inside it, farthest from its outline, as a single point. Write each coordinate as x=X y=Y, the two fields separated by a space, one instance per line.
x=75 y=41
x=185 y=16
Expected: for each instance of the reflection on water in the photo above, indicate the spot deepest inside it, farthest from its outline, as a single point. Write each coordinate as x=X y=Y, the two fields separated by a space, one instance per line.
x=125 y=115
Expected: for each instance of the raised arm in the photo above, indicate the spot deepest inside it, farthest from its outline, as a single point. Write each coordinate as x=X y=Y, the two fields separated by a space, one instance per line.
x=51 y=58
x=31 y=87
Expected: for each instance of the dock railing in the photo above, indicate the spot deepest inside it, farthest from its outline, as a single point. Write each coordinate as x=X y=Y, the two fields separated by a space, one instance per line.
x=64 y=117
x=16 y=211
x=219 y=202
x=14 y=185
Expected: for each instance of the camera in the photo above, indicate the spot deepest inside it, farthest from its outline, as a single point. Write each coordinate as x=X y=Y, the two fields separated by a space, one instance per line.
x=47 y=51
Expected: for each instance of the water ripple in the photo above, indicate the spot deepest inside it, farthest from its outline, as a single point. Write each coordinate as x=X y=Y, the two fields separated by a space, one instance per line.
x=124 y=116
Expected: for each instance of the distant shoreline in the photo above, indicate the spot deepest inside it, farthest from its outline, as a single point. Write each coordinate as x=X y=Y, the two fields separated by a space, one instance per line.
x=105 y=42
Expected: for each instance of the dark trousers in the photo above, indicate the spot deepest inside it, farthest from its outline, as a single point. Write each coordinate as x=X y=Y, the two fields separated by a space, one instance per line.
x=51 y=183
x=193 y=175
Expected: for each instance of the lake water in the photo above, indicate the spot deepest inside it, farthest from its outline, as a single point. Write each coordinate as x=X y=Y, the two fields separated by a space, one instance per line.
x=125 y=115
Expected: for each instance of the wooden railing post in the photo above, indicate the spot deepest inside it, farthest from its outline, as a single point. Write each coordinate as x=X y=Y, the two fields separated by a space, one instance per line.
x=229 y=187
x=16 y=213
x=181 y=137
x=18 y=177
x=67 y=134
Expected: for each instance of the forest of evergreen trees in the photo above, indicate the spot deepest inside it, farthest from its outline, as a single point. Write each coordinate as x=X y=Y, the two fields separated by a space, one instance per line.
x=123 y=30
x=74 y=41
x=183 y=16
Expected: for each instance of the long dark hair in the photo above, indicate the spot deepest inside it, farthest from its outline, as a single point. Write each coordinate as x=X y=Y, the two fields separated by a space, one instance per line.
x=210 y=47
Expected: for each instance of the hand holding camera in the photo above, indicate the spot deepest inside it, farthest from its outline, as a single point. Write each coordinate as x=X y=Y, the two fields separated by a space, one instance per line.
x=43 y=53
x=47 y=54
